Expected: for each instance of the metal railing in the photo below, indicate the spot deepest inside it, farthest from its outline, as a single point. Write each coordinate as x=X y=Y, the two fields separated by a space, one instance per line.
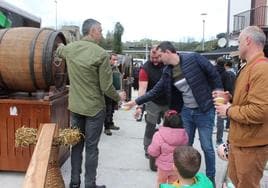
x=256 y=16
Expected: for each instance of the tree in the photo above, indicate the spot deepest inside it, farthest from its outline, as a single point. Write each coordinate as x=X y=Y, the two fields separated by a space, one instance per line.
x=107 y=42
x=118 y=32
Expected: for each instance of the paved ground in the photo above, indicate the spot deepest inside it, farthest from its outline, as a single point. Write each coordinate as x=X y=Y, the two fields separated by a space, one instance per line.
x=122 y=163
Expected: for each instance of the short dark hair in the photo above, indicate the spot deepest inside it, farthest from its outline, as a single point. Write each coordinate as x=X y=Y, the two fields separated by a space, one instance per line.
x=187 y=161
x=220 y=61
x=229 y=63
x=112 y=54
x=172 y=119
x=166 y=45
x=87 y=25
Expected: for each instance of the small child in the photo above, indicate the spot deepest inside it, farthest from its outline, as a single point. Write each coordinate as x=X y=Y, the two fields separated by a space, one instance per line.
x=165 y=140
x=187 y=161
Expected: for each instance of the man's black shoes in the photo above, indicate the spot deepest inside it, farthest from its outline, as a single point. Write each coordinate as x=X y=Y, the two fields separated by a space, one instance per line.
x=113 y=127
x=108 y=132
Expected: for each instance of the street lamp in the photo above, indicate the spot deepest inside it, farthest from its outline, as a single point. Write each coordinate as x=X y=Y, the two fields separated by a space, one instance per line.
x=56 y=3
x=203 y=39
x=146 y=52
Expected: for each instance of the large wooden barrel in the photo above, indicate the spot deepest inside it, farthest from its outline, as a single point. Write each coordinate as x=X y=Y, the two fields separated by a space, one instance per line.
x=27 y=59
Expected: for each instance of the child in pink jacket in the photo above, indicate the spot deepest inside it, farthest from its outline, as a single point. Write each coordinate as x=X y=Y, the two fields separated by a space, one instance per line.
x=165 y=140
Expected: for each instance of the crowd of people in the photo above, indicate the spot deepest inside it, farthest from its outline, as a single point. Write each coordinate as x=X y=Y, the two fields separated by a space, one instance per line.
x=187 y=81
x=182 y=89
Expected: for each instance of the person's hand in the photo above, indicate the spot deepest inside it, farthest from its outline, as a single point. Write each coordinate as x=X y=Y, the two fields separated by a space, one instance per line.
x=137 y=113
x=228 y=96
x=220 y=93
x=122 y=95
x=221 y=109
x=128 y=105
x=60 y=44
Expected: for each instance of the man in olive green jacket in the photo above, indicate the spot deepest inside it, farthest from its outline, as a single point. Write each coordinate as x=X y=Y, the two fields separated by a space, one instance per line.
x=90 y=79
x=248 y=113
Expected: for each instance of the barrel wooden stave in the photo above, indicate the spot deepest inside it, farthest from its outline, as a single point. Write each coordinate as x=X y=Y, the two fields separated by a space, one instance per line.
x=23 y=66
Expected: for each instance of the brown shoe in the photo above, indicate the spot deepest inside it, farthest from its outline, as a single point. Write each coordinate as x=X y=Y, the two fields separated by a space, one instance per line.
x=108 y=132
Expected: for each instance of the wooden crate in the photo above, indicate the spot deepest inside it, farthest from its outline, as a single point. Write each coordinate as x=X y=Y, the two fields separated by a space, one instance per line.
x=21 y=110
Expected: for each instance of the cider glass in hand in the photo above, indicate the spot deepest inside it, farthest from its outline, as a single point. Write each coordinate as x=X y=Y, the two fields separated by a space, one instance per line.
x=219 y=98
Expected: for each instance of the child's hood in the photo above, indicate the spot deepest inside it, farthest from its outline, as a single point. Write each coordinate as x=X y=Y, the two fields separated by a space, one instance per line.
x=173 y=136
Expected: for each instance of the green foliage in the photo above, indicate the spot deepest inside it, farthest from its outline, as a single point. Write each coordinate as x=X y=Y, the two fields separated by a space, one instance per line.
x=117 y=43
x=211 y=45
x=186 y=46
x=107 y=42
x=113 y=42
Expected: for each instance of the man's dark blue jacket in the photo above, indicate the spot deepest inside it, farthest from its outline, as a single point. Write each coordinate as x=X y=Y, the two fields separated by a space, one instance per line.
x=201 y=76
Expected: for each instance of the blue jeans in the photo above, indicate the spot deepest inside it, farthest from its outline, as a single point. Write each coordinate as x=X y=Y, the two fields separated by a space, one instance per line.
x=194 y=118
x=91 y=127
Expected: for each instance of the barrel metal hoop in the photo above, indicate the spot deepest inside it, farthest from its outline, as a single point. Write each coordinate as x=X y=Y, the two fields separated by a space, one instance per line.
x=2 y=83
x=3 y=34
x=1 y=79
x=31 y=57
x=47 y=57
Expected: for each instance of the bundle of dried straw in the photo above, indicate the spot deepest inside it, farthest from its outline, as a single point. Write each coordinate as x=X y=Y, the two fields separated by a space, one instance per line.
x=26 y=136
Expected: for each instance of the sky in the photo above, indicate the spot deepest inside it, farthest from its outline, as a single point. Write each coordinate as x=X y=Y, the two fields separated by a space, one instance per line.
x=173 y=20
